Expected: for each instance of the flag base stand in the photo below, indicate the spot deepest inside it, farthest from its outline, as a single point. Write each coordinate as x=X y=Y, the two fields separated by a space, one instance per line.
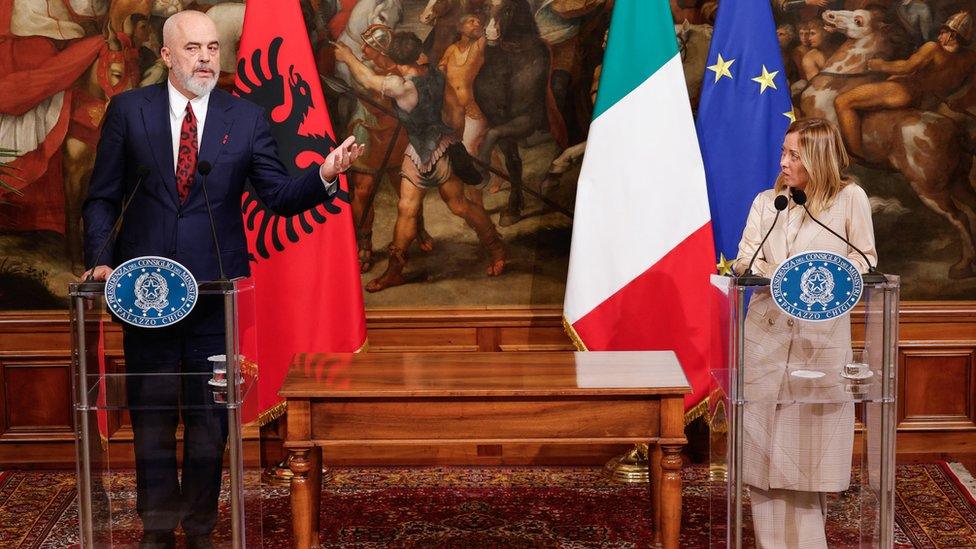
x=280 y=475
x=631 y=467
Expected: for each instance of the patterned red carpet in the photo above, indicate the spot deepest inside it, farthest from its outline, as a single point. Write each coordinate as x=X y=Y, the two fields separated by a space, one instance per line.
x=573 y=507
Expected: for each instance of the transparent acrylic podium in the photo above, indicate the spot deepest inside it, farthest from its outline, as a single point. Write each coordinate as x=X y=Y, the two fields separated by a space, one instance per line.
x=107 y=513
x=800 y=410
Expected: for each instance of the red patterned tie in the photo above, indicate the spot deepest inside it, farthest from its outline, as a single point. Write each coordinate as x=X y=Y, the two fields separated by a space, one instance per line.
x=186 y=165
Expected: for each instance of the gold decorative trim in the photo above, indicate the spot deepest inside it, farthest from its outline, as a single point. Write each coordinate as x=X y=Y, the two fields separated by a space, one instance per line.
x=272 y=413
x=571 y=332
x=717 y=421
x=696 y=411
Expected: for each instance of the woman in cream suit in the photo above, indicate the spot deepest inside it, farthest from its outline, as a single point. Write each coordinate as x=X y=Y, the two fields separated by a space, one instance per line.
x=794 y=453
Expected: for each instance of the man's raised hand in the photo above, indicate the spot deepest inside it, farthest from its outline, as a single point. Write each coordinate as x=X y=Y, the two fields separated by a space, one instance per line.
x=341 y=158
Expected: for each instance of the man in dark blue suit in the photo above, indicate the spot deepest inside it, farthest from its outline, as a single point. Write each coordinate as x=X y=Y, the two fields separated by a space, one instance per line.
x=166 y=131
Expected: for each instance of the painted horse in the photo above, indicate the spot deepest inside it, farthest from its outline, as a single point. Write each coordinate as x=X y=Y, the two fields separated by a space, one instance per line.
x=511 y=90
x=924 y=146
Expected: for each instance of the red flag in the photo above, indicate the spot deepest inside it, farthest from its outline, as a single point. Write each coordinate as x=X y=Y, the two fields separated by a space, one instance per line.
x=308 y=295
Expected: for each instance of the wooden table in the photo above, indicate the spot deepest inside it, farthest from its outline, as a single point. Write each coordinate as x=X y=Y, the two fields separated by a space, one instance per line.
x=485 y=398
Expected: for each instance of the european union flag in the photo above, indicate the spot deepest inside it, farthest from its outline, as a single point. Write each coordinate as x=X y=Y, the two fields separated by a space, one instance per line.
x=742 y=116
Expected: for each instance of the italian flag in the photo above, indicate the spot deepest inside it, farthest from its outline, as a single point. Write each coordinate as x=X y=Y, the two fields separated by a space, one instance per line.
x=642 y=248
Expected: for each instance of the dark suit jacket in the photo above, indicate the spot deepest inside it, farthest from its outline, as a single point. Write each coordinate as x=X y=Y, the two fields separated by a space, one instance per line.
x=236 y=141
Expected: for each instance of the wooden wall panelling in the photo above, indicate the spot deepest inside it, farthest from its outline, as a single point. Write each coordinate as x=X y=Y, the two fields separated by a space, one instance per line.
x=35 y=389
x=937 y=383
x=41 y=340
x=488 y=329
x=937 y=388
x=118 y=420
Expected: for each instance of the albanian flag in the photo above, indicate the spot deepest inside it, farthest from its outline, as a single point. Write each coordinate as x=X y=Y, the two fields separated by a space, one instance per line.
x=308 y=296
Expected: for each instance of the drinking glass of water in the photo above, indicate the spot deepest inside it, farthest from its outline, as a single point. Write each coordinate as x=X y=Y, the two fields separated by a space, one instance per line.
x=858 y=367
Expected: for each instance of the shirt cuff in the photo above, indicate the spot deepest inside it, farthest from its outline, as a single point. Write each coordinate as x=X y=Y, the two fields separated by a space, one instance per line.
x=331 y=187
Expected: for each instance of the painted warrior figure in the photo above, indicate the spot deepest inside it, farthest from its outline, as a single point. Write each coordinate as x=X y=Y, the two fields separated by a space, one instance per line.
x=385 y=144
x=937 y=69
x=434 y=159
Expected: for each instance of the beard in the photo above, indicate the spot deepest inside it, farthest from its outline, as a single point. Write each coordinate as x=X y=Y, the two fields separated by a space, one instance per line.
x=195 y=85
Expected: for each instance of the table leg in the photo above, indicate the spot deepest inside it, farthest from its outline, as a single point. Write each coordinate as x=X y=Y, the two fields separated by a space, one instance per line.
x=315 y=480
x=670 y=496
x=655 y=474
x=306 y=491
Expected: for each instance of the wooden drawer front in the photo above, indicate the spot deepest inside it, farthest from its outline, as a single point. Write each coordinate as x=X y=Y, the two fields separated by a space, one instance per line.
x=375 y=419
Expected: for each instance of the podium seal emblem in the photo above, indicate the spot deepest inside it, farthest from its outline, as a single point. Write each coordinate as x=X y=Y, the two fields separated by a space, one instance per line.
x=816 y=286
x=151 y=292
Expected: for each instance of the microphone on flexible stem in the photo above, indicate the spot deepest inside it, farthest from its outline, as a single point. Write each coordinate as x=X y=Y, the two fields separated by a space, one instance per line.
x=873 y=276
x=141 y=173
x=747 y=278
x=204 y=168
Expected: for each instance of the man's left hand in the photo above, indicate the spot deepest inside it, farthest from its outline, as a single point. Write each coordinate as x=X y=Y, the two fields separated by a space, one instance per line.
x=341 y=158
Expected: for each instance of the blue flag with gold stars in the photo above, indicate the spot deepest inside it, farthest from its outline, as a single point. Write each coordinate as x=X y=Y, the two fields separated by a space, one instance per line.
x=743 y=114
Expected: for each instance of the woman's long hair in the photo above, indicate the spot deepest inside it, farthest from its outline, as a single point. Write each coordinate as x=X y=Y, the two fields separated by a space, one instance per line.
x=823 y=155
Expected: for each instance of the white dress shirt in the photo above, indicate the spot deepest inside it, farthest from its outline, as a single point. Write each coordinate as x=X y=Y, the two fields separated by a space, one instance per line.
x=177 y=111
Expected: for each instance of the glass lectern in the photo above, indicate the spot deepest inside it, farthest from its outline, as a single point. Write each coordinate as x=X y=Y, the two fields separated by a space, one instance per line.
x=105 y=464
x=803 y=422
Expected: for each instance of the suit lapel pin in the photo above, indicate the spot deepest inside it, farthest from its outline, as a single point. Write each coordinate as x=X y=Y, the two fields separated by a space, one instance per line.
x=224 y=142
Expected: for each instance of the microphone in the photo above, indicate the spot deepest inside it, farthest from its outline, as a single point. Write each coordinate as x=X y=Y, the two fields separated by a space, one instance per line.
x=873 y=276
x=141 y=173
x=747 y=278
x=204 y=168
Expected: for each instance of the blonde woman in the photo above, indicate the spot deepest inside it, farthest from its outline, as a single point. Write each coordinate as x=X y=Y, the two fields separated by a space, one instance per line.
x=793 y=454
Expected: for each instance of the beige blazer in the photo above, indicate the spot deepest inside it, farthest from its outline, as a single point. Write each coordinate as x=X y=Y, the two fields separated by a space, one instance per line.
x=793 y=446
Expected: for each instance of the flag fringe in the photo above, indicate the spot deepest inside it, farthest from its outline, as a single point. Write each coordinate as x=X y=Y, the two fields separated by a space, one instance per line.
x=696 y=411
x=272 y=413
x=571 y=332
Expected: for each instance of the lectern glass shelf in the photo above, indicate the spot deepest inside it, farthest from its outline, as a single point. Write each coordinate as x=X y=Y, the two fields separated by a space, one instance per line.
x=103 y=435
x=804 y=411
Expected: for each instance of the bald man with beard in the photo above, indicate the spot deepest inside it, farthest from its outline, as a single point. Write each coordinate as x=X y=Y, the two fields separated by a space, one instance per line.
x=169 y=128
